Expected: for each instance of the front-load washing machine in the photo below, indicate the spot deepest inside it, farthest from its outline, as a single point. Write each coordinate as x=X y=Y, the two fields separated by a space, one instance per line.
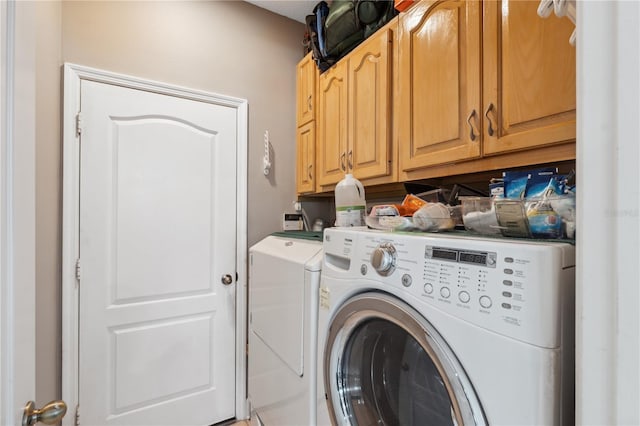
x=284 y=276
x=436 y=329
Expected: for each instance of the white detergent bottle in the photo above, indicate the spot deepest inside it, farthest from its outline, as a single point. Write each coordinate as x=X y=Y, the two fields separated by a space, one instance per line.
x=351 y=206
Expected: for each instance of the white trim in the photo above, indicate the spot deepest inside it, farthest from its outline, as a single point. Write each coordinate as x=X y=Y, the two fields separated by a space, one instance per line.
x=70 y=250
x=17 y=210
x=6 y=318
x=242 y=401
x=73 y=75
x=608 y=261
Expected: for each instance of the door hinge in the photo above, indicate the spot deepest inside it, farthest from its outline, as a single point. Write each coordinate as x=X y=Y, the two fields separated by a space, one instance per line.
x=78 y=269
x=76 y=421
x=78 y=124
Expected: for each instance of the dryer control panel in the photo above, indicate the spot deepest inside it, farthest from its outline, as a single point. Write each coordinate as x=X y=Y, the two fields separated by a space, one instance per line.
x=512 y=287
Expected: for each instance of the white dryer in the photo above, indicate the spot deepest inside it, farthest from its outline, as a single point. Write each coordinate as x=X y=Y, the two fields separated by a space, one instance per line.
x=436 y=329
x=284 y=276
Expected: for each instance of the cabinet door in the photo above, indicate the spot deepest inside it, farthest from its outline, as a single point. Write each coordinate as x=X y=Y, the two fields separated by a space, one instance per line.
x=529 y=90
x=439 y=83
x=306 y=153
x=331 y=148
x=306 y=89
x=369 y=140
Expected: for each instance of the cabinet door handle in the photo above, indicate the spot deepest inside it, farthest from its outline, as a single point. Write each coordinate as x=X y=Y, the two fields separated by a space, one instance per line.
x=472 y=135
x=350 y=161
x=342 y=166
x=309 y=171
x=309 y=104
x=486 y=114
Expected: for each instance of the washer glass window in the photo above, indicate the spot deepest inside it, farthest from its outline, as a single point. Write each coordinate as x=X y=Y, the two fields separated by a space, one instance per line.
x=389 y=379
x=386 y=365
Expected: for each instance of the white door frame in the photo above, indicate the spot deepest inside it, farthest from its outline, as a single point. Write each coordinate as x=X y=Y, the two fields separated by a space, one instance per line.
x=73 y=75
x=608 y=208
x=17 y=209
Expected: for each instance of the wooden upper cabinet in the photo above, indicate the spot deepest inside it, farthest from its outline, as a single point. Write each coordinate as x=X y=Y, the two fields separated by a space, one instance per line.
x=306 y=90
x=370 y=88
x=331 y=148
x=306 y=154
x=354 y=117
x=439 y=84
x=529 y=68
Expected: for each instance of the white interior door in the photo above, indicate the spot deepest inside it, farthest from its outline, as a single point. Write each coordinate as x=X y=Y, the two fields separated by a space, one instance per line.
x=157 y=235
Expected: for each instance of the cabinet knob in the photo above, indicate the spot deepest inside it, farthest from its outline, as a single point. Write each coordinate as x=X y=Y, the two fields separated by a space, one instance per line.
x=350 y=160
x=342 y=165
x=310 y=168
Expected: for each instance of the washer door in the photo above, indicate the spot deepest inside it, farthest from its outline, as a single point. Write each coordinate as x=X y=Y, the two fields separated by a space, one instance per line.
x=385 y=364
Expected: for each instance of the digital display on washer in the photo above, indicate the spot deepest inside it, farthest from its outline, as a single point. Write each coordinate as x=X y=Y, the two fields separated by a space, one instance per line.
x=461 y=256
x=473 y=257
x=444 y=254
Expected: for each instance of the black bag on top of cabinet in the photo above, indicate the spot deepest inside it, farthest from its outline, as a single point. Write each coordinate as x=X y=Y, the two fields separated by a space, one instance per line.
x=351 y=21
x=342 y=28
x=337 y=29
x=315 y=28
x=373 y=14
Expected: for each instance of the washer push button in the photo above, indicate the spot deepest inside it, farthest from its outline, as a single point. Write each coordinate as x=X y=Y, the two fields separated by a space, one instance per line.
x=406 y=280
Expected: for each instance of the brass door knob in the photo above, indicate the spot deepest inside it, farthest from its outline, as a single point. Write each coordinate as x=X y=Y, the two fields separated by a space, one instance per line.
x=49 y=414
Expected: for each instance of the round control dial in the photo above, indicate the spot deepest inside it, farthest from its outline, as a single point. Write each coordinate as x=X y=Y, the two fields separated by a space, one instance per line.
x=485 y=302
x=383 y=259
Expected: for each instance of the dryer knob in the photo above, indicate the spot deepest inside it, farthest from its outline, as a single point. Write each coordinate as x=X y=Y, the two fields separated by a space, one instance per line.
x=383 y=259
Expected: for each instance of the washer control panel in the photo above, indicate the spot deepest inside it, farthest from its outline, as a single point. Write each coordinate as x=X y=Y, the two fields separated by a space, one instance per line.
x=511 y=287
x=457 y=274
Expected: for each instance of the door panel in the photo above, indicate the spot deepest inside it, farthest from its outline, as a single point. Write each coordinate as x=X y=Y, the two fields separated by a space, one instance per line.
x=529 y=77
x=370 y=107
x=439 y=81
x=332 y=125
x=157 y=232
x=306 y=150
x=188 y=355
x=148 y=174
x=306 y=90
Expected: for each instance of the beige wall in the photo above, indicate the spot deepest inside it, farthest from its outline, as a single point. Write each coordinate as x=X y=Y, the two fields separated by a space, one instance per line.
x=48 y=202
x=227 y=47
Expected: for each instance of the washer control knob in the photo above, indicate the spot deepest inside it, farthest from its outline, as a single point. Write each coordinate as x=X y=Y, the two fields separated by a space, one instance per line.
x=445 y=292
x=383 y=259
x=485 y=302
